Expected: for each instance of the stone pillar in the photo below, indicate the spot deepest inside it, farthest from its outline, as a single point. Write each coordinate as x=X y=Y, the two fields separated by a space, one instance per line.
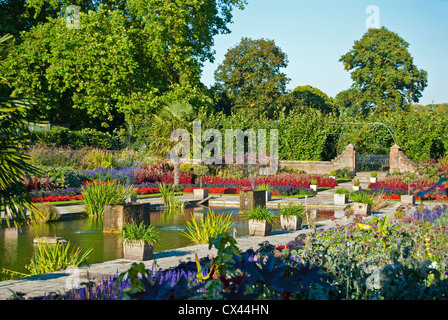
x=399 y=162
x=350 y=150
x=394 y=159
x=116 y=215
x=251 y=199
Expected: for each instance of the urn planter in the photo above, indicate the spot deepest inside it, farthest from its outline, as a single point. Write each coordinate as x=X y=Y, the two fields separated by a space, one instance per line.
x=116 y=215
x=259 y=228
x=137 y=250
x=362 y=209
x=249 y=199
x=268 y=196
x=291 y=223
x=340 y=199
x=408 y=199
x=200 y=194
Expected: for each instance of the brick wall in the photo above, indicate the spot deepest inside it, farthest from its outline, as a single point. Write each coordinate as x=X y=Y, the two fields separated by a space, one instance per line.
x=399 y=162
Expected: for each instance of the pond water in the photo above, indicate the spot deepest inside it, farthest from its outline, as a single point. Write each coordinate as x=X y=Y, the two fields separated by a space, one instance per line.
x=16 y=244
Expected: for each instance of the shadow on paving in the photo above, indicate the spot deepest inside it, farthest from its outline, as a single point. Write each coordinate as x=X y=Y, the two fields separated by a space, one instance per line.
x=171 y=253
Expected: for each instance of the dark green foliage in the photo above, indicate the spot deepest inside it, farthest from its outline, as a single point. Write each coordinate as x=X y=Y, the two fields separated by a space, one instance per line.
x=383 y=72
x=308 y=96
x=250 y=77
x=126 y=59
x=62 y=137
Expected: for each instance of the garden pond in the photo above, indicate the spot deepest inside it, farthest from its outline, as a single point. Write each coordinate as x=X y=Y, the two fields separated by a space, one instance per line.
x=16 y=244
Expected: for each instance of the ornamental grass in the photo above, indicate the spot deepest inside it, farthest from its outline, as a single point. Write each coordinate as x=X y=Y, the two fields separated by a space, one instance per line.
x=97 y=194
x=208 y=227
x=52 y=257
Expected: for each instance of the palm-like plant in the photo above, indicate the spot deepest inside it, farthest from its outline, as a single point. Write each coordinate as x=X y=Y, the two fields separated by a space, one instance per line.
x=14 y=161
x=169 y=118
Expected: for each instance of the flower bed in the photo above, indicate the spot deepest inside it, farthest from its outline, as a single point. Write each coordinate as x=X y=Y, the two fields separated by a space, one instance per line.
x=395 y=183
x=376 y=259
x=281 y=179
x=57 y=198
x=145 y=182
x=393 y=188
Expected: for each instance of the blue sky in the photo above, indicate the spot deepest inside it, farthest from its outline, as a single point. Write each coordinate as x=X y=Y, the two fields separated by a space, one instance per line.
x=316 y=33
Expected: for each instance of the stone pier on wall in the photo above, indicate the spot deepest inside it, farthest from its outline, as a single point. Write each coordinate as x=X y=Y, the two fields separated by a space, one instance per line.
x=399 y=162
x=347 y=159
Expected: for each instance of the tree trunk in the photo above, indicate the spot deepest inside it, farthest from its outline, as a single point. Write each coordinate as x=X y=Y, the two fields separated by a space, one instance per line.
x=176 y=172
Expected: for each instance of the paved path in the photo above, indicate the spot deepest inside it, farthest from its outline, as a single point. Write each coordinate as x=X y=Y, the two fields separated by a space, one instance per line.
x=58 y=281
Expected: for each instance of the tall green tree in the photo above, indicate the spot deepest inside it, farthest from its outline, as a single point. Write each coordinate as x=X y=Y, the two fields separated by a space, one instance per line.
x=312 y=97
x=383 y=71
x=127 y=57
x=16 y=16
x=73 y=74
x=251 y=77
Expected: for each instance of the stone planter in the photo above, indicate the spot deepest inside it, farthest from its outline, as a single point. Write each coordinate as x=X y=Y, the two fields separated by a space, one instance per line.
x=373 y=180
x=340 y=199
x=313 y=187
x=116 y=215
x=362 y=209
x=259 y=228
x=268 y=196
x=408 y=199
x=333 y=177
x=200 y=194
x=339 y=214
x=252 y=198
x=291 y=223
x=356 y=188
x=137 y=250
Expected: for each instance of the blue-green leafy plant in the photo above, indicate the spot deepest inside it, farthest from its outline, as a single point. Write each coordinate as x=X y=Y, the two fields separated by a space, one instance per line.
x=293 y=209
x=134 y=232
x=261 y=214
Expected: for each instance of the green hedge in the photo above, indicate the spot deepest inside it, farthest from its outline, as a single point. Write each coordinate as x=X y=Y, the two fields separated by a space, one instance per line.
x=61 y=136
x=312 y=135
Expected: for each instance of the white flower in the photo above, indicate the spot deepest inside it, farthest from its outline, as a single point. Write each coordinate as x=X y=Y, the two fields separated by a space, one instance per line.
x=433 y=265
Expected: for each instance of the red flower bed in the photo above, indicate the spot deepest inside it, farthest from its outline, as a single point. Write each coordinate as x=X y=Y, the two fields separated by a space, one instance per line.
x=395 y=182
x=223 y=190
x=392 y=197
x=149 y=190
x=286 y=179
x=289 y=179
x=436 y=197
x=58 y=198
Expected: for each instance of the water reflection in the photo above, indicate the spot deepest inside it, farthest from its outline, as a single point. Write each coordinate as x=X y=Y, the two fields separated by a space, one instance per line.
x=16 y=244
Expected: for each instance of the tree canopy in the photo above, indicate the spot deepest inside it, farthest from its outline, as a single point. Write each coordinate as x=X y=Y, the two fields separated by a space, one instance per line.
x=384 y=75
x=313 y=97
x=251 y=77
x=127 y=57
